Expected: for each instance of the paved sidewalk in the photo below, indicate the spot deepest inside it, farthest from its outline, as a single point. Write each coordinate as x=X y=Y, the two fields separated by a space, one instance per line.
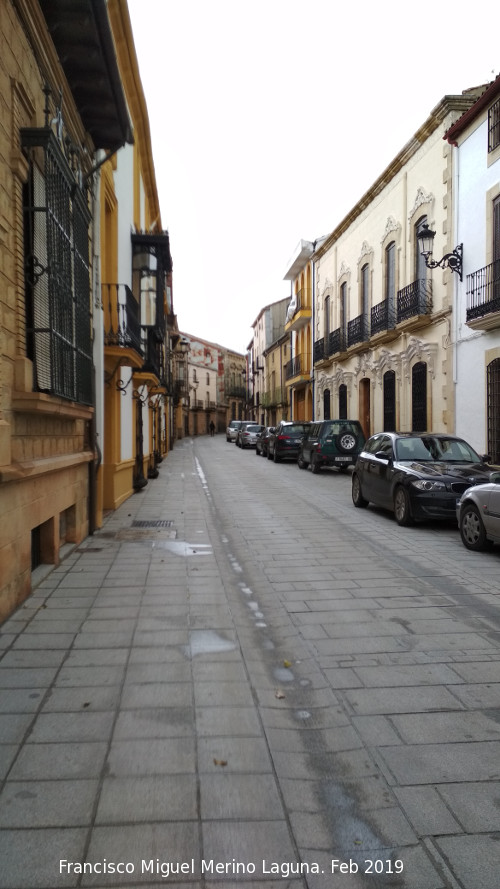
x=129 y=732
x=235 y=684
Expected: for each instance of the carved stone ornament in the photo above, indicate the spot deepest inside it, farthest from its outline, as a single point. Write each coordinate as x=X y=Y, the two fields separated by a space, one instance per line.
x=390 y=226
x=421 y=198
x=366 y=250
x=418 y=350
x=343 y=271
x=385 y=361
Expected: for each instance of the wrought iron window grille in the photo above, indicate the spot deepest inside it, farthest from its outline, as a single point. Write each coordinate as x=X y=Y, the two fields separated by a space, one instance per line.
x=57 y=262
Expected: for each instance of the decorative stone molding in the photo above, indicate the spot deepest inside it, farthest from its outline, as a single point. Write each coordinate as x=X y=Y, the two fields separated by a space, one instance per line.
x=343 y=271
x=421 y=198
x=366 y=250
x=418 y=350
x=390 y=227
x=385 y=361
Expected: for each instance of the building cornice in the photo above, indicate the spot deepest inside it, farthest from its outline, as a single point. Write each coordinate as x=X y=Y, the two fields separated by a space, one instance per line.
x=447 y=105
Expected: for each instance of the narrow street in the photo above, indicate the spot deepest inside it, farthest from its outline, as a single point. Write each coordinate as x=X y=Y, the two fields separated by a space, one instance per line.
x=243 y=681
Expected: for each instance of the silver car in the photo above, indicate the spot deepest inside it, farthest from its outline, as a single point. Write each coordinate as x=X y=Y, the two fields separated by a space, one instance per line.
x=232 y=429
x=478 y=514
x=247 y=435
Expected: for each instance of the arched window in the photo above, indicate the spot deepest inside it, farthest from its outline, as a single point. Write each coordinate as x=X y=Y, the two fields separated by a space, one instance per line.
x=343 y=402
x=493 y=410
x=419 y=397
x=389 y=401
x=420 y=266
x=390 y=281
x=327 y=411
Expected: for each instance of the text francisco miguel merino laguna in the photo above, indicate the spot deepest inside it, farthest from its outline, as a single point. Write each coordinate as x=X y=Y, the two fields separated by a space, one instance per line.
x=171 y=868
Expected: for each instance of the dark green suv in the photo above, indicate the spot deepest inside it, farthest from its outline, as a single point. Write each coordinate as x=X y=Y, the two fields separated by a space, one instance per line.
x=331 y=443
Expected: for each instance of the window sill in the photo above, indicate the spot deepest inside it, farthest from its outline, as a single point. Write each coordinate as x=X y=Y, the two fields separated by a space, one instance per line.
x=50 y=405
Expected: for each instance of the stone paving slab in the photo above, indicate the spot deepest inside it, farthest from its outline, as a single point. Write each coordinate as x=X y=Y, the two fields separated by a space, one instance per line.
x=264 y=685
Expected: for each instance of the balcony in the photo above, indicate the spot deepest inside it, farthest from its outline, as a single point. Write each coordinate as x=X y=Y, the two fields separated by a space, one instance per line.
x=327 y=347
x=357 y=331
x=299 y=310
x=297 y=370
x=382 y=317
x=233 y=391
x=483 y=298
x=414 y=303
x=274 y=397
x=122 y=326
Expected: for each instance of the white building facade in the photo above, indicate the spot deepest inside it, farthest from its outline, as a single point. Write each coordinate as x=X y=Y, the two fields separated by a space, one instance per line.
x=475 y=138
x=382 y=320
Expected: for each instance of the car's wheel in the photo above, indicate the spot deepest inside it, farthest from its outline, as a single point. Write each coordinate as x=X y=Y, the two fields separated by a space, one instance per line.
x=472 y=529
x=346 y=442
x=227 y=438
x=357 y=497
x=315 y=465
x=402 y=508
x=301 y=463
x=269 y=455
x=275 y=456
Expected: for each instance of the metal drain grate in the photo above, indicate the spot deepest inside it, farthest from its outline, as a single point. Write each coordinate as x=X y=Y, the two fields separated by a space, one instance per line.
x=158 y=523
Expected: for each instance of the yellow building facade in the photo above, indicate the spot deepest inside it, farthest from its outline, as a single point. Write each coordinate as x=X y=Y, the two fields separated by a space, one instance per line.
x=137 y=303
x=53 y=126
x=298 y=369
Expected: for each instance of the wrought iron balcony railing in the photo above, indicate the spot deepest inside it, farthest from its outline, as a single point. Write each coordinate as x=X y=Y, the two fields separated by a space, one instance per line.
x=273 y=397
x=483 y=291
x=416 y=299
x=336 y=341
x=122 y=326
x=319 y=350
x=357 y=330
x=382 y=317
x=295 y=367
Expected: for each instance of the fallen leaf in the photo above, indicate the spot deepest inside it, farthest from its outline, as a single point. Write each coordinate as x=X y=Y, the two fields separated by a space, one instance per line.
x=279 y=694
x=86 y=704
x=287 y=663
x=220 y=762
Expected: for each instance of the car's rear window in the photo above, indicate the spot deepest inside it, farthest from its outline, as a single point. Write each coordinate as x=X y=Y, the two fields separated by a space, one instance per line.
x=340 y=427
x=295 y=429
x=253 y=428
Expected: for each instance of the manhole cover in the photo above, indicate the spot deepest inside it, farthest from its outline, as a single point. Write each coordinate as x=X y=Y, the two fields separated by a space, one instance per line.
x=157 y=523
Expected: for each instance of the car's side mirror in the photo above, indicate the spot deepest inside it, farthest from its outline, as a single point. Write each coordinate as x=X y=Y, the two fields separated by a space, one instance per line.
x=486 y=458
x=495 y=478
x=381 y=455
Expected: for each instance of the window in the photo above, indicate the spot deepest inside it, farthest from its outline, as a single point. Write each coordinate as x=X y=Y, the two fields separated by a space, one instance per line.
x=420 y=266
x=390 y=279
x=57 y=268
x=208 y=379
x=343 y=402
x=365 y=292
x=494 y=126
x=326 y=405
x=327 y=319
x=419 y=397
x=389 y=401
x=493 y=410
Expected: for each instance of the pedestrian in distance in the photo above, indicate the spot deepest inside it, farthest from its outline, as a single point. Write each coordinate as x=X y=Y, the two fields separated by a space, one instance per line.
x=212 y=428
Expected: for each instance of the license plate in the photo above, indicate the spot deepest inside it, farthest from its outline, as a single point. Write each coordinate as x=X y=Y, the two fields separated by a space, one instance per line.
x=342 y=459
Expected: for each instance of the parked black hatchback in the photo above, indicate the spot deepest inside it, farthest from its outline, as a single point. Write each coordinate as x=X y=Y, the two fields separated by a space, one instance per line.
x=419 y=476
x=331 y=443
x=284 y=442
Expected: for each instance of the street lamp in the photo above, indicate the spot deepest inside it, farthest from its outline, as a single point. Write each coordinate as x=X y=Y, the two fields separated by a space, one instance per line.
x=451 y=260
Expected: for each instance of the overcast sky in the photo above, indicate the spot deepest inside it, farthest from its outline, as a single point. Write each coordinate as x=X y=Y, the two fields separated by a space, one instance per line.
x=270 y=119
